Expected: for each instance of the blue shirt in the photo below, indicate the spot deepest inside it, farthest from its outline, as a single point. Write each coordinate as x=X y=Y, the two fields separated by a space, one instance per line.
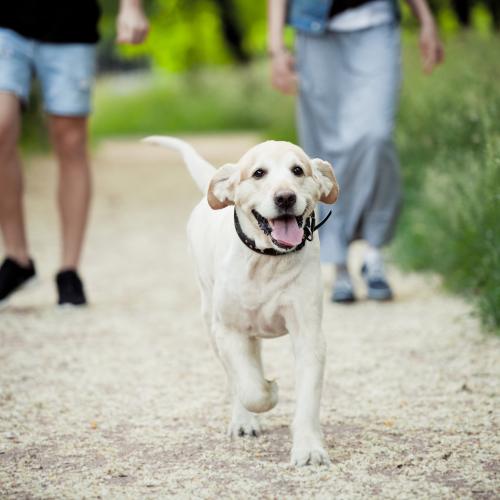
x=313 y=16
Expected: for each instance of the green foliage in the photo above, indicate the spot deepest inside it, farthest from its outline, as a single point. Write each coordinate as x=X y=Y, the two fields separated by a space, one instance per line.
x=188 y=33
x=449 y=140
x=220 y=99
x=181 y=38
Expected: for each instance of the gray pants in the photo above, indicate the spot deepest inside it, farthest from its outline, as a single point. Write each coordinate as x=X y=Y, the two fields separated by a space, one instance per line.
x=349 y=89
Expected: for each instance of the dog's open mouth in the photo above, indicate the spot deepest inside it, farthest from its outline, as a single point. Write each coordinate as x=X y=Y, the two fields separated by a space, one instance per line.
x=286 y=230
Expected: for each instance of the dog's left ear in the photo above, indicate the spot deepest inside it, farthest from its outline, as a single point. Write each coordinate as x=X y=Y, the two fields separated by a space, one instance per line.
x=222 y=186
x=323 y=174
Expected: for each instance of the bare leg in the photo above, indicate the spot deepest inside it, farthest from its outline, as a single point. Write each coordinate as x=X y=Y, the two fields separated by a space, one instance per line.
x=69 y=136
x=11 y=182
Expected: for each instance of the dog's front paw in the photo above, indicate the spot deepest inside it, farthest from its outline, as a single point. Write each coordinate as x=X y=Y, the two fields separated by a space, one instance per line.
x=309 y=455
x=244 y=425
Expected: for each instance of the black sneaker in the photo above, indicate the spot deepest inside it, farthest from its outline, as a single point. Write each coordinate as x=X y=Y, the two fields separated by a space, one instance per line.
x=376 y=282
x=13 y=276
x=70 y=288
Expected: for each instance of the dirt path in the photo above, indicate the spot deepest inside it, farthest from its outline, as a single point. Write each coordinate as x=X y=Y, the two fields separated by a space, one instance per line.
x=126 y=399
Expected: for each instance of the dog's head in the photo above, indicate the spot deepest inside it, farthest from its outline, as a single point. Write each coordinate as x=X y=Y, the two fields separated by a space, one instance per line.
x=276 y=186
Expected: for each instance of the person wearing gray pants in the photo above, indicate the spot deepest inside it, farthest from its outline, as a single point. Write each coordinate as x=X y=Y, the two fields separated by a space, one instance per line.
x=347 y=68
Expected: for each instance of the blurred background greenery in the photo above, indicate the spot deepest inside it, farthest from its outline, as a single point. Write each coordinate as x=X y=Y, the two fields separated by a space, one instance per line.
x=204 y=69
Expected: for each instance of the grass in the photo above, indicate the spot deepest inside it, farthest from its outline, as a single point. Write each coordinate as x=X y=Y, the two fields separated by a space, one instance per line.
x=218 y=99
x=449 y=143
x=448 y=136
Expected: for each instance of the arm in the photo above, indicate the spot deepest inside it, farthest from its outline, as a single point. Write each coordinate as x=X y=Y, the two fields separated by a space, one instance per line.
x=283 y=77
x=431 y=47
x=131 y=24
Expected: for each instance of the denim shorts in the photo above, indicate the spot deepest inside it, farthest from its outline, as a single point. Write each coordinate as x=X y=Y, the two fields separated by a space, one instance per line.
x=65 y=72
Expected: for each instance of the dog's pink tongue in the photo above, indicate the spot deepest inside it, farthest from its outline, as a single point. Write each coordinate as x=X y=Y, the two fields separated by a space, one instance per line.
x=287 y=231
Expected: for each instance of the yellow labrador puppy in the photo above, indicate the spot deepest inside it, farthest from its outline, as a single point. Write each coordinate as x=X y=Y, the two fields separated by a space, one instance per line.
x=259 y=274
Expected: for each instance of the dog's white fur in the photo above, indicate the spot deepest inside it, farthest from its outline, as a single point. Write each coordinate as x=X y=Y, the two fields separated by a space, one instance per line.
x=247 y=296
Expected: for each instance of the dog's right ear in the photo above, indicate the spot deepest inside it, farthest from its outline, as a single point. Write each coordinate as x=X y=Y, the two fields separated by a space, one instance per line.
x=222 y=186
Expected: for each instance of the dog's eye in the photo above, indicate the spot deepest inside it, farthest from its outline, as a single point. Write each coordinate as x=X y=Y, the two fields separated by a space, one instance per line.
x=259 y=173
x=297 y=171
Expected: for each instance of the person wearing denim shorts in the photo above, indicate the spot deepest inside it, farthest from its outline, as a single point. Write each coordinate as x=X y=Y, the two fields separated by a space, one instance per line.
x=347 y=69
x=55 y=42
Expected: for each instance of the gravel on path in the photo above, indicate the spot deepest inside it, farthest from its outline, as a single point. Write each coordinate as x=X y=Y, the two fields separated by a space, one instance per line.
x=125 y=399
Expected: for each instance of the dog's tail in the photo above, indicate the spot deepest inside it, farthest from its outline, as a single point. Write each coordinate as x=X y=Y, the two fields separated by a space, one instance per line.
x=201 y=171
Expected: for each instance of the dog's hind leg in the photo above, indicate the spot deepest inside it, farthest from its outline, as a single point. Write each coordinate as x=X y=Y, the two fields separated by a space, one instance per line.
x=240 y=355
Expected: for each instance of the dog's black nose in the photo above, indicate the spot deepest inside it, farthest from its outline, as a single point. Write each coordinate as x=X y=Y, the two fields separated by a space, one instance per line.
x=285 y=199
